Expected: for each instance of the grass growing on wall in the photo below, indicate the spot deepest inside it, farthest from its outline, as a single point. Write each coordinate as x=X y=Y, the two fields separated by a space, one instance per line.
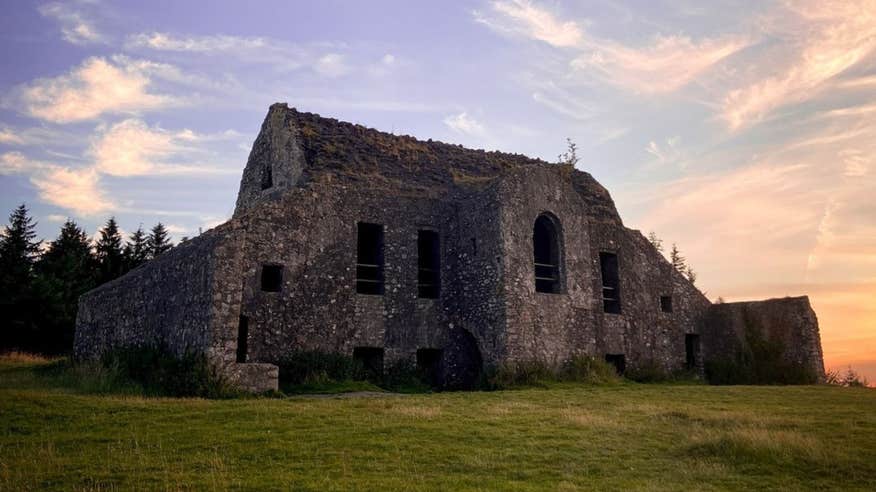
x=760 y=360
x=566 y=436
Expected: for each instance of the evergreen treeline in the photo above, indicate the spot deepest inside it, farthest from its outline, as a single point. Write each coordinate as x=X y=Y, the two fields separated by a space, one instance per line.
x=40 y=284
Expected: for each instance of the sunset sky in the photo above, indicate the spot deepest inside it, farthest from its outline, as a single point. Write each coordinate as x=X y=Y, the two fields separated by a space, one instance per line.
x=746 y=133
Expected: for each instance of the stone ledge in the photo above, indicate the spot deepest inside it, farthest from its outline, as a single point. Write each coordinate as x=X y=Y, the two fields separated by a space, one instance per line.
x=254 y=377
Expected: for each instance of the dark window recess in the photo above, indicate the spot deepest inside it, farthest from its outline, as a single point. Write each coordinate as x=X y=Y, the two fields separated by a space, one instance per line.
x=429 y=365
x=547 y=256
x=369 y=259
x=242 y=337
x=618 y=361
x=691 y=350
x=267 y=177
x=371 y=359
x=666 y=304
x=272 y=278
x=428 y=264
x=474 y=246
x=610 y=283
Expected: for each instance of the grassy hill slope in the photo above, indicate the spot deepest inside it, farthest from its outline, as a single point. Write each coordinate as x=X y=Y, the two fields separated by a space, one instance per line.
x=565 y=437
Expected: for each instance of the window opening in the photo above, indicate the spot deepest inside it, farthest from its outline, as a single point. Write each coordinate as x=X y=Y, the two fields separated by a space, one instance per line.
x=371 y=359
x=547 y=256
x=272 y=278
x=428 y=264
x=369 y=259
x=691 y=349
x=428 y=365
x=618 y=361
x=666 y=304
x=267 y=177
x=610 y=283
x=242 y=338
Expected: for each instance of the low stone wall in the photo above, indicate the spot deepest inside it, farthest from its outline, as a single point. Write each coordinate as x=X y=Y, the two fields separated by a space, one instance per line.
x=166 y=302
x=789 y=322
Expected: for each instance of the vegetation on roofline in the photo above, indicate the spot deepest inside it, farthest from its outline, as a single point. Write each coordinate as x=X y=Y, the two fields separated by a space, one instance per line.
x=675 y=258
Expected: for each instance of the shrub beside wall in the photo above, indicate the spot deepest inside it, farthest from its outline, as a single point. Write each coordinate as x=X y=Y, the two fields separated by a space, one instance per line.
x=313 y=367
x=319 y=371
x=161 y=373
x=143 y=371
x=581 y=369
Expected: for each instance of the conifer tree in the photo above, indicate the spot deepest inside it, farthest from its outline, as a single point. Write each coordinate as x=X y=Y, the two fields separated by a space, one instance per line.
x=19 y=249
x=65 y=271
x=691 y=274
x=655 y=241
x=109 y=251
x=136 y=250
x=677 y=260
x=159 y=241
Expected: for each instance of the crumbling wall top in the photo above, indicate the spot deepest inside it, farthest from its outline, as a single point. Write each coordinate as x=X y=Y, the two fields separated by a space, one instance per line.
x=296 y=148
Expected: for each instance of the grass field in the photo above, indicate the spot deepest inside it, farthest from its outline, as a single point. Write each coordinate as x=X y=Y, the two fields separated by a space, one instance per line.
x=565 y=437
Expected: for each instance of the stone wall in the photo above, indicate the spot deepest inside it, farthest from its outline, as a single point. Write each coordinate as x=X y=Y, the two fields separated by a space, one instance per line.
x=788 y=322
x=312 y=233
x=168 y=302
x=554 y=327
x=474 y=298
x=276 y=151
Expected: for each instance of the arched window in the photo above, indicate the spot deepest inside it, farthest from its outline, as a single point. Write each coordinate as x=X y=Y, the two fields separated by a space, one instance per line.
x=546 y=246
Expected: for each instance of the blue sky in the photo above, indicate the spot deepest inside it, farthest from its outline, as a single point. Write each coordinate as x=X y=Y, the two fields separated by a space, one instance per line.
x=744 y=132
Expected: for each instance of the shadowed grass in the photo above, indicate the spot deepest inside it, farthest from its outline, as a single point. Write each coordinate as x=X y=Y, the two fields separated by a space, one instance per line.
x=563 y=437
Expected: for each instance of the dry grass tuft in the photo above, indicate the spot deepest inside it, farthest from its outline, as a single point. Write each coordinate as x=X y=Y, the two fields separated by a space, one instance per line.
x=507 y=408
x=25 y=358
x=758 y=445
x=584 y=418
x=417 y=412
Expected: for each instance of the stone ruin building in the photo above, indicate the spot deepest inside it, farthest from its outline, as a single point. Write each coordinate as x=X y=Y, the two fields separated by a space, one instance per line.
x=388 y=248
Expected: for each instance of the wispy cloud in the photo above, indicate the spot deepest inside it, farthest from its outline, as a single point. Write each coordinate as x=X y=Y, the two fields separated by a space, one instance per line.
x=667 y=152
x=56 y=218
x=15 y=163
x=332 y=65
x=562 y=101
x=9 y=137
x=279 y=55
x=282 y=55
x=522 y=17
x=97 y=86
x=126 y=149
x=213 y=44
x=465 y=124
x=76 y=189
x=667 y=64
x=76 y=28
x=36 y=136
x=836 y=35
x=132 y=148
